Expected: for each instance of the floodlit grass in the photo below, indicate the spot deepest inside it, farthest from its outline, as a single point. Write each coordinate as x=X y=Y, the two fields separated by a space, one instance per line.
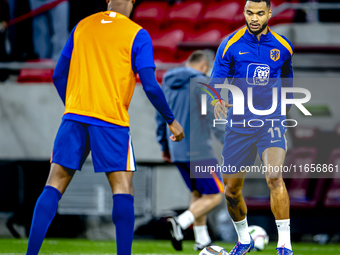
x=86 y=247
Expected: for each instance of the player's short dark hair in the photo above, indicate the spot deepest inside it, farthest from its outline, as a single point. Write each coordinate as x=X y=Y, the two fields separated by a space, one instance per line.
x=198 y=56
x=259 y=1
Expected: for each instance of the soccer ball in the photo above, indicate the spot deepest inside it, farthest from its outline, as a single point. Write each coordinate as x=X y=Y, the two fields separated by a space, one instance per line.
x=259 y=236
x=213 y=250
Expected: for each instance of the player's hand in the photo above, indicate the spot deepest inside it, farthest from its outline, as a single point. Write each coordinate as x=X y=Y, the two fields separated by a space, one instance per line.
x=221 y=109
x=177 y=131
x=166 y=156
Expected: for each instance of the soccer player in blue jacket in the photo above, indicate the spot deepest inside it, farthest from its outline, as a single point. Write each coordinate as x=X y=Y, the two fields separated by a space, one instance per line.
x=258 y=60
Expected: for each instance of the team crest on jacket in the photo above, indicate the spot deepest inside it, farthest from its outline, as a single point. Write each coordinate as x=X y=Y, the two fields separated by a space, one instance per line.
x=258 y=74
x=275 y=54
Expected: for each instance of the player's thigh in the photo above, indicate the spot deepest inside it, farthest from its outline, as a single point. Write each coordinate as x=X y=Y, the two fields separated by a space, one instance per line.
x=60 y=177
x=121 y=182
x=239 y=151
x=71 y=145
x=272 y=144
x=195 y=195
x=111 y=149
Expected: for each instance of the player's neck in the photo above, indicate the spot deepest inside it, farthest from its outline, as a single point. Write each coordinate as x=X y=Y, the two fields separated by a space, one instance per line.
x=264 y=32
x=118 y=8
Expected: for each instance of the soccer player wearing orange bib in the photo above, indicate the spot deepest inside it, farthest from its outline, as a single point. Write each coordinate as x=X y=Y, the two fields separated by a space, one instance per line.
x=95 y=77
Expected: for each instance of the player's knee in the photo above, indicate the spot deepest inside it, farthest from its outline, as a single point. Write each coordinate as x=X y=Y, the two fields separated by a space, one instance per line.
x=195 y=194
x=275 y=183
x=233 y=194
x=217 y=199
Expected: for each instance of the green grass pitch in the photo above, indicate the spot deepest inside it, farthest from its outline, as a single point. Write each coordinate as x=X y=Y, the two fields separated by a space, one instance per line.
x=150 y=247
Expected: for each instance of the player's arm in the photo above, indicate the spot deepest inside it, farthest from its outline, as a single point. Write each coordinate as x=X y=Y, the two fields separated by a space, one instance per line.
x=161 y=133
x=61 y=70
x=143 y=63
x=218 y=130
x=220 y=72
x=162 y=137
x=287 y=78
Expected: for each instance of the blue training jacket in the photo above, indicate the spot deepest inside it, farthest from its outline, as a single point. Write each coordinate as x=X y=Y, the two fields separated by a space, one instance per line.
x=261 y=65
x=184 y=100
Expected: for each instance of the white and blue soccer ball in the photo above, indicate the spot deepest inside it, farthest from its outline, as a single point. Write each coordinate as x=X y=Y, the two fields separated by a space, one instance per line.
x=259 y=236
x=213 y=250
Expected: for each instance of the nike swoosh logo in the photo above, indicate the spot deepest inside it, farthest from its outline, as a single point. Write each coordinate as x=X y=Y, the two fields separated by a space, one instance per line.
x=106 y=21
x=274 y=141
x=242 y=53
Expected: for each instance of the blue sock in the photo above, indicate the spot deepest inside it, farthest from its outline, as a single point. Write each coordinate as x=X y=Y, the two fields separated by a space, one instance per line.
x=44 y=212
x=123 y=216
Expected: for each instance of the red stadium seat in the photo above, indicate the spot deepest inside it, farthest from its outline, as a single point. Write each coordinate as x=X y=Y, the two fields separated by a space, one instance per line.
x=183 y=13
x=37 y=75
x=221 y=15
x=166 y=45
x=332 y=196
x=286 y=16
x=199 y=39
x=150 y=14
x=159 y=75
x=206 y=36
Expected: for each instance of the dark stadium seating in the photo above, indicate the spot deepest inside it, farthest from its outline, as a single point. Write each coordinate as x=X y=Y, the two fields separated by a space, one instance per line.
x=184 y=14
x=150 y=14
x=304 y=193
x=332 y=196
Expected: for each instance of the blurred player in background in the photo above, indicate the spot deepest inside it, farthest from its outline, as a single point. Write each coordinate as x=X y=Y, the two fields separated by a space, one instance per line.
x=195 y=149
x=95 y=77
x=258 y=58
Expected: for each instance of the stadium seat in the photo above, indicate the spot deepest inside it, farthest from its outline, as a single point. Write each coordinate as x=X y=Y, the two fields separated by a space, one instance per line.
x=303 y=192
x=166 y=45
x=332 y=196
x=37 y=75
x=305 y=136
x=150 y=14
x=183 y=14
x=257 y=203
x=205 y=36
x=198 y=39
x=159 y=75
x=221 y=15
x=286 y=16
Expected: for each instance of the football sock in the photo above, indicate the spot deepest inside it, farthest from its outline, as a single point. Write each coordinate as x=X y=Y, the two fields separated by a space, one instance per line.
x=283 y=227
x=241 y=228
x=185 y=219
x=123 y=216
x=202 y=235
x=44 y=212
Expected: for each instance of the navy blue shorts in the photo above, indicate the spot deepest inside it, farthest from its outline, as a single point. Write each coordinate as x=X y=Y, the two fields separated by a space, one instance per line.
x=239 y=150
x=111 y=147
x=204 y=183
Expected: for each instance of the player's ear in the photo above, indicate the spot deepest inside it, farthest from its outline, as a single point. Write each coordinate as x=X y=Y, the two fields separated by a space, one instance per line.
x=270 y=13
x=107 y=1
